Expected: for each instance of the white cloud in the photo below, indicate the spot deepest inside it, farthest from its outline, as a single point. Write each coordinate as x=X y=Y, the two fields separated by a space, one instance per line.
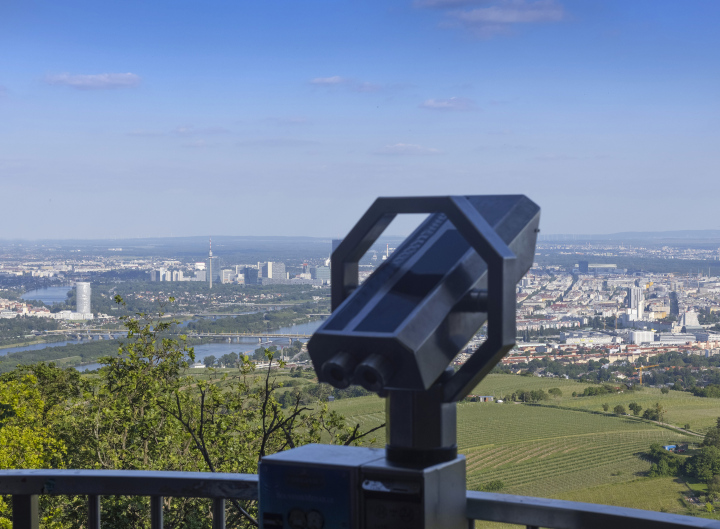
x=191 y=131
x=345 y=82
x=407 y=149
x=447 y=3
x=330 y=81
x=499 y=17
x=514 y=12
x=276 y=142
x=101 y=81
x=454 y=103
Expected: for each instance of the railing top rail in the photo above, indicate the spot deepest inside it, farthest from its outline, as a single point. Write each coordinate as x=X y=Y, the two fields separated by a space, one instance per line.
x=130 y=483
x=562 y=514
x=488 y=506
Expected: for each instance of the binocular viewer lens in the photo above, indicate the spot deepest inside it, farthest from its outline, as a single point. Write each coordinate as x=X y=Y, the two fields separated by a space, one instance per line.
x=372 y=373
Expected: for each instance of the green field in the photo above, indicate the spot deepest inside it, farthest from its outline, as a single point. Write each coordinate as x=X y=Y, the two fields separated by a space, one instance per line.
x=682 y=408
x=563 y=452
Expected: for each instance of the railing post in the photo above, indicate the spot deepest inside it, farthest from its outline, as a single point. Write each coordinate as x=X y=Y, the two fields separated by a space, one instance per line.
x=156 y=512
x=218 y=513
x=25 y=511
x=93 y=511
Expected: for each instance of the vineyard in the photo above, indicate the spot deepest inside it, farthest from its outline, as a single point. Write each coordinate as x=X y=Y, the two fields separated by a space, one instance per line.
x=581 y=454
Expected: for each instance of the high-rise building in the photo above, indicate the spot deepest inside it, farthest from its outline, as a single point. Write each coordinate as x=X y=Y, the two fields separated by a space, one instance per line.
x=636 y=301
x=275 y=270
x=251 y=275
x=321 y=272
x=83 y=293
x=227 y=275
x=210 y=265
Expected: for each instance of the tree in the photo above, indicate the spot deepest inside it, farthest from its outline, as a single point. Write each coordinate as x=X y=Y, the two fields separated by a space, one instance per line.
x=146 y=410
x=619 y=410
x=209 y=361
x=635 y=408
x=606 y=407
x=492 y=486
x=705 y=465
x=650 y=414
x=27 y=439
x=660 y=412
x=664 y=391
x=555 y=392
x=712 y=437
x=665 y=463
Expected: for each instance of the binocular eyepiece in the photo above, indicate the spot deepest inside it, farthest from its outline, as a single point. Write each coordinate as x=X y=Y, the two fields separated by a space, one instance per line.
x=343 y=369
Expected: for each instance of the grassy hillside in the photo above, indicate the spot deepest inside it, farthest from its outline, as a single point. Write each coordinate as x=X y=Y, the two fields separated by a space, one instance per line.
x=682 y=408
x=563 y=452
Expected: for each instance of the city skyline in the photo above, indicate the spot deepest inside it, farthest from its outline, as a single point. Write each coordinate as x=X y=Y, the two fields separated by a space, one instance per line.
x=294 y=118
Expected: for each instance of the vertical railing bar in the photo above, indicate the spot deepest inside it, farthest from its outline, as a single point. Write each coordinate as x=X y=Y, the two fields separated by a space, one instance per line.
x=218 y=513
x=25 y=511
x=156 y=512
x=93 y=511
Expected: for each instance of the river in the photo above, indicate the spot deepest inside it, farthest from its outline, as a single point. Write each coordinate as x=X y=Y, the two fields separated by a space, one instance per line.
x=48 y=295
x=246 y=345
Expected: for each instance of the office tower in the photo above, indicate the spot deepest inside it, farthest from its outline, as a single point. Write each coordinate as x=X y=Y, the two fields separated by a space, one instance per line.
x=321 y=272
x=275 y=270
x=636 y=301
x=83 y=293
x=227 y=275
x=251 y=275
x=213 y=269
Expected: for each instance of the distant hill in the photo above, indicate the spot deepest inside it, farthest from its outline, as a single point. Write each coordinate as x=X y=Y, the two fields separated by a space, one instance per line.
x=684 y=235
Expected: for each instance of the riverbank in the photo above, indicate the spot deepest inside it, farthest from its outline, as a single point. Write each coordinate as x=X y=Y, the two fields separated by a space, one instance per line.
x=84 y=355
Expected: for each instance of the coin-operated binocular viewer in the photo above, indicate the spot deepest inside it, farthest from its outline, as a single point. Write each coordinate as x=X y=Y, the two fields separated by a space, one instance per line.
x=397 y=334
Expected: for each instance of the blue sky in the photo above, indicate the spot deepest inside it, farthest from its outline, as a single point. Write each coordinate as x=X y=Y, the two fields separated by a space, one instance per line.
x=129 y=118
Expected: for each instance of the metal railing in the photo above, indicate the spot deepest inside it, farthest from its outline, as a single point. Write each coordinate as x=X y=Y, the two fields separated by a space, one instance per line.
x=26 y=485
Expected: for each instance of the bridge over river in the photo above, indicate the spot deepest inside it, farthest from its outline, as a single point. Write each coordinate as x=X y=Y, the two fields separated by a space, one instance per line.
x=109 y=334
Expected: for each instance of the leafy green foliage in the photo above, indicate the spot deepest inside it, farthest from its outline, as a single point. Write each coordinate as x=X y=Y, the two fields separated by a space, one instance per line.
x=555 y=392
x=665 y=463
x=15 y=330
x=495 y=485
x=705 y=465
x=709 y=391
x=145 y=410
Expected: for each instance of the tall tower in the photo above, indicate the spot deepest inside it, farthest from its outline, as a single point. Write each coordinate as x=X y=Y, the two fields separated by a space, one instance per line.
x=210 y=258
x=82 y=298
